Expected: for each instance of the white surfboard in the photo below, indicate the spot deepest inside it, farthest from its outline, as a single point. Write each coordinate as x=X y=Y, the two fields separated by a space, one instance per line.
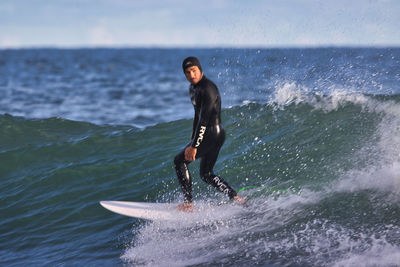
x=144 y=210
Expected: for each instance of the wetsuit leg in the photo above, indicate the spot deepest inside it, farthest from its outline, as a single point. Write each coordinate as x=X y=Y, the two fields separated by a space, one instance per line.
x=208 y=152
x=208 y=161
x=183 y=174
x=207 y=174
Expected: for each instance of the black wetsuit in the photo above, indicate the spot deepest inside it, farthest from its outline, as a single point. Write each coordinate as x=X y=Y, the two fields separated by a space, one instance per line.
x=208 y=136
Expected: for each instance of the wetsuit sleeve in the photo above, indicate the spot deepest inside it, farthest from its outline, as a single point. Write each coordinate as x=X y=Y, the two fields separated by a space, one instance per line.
x=208 y=100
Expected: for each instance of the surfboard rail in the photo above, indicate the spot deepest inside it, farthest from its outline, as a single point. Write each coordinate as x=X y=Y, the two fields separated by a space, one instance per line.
x=142 y=210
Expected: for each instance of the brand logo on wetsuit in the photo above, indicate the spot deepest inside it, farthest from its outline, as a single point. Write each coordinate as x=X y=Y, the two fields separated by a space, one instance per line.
x=221 y=186
x=201 y=135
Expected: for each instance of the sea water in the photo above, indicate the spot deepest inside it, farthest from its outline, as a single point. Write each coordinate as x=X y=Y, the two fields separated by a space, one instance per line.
x=319 y=127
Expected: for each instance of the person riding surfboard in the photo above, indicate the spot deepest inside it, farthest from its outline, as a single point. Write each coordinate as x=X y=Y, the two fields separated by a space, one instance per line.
x=208 y=136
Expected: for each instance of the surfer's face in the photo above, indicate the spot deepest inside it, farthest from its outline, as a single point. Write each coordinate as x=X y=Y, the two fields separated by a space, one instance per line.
x=193 y=74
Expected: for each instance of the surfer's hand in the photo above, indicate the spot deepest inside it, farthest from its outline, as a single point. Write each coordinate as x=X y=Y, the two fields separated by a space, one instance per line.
x=190 y=153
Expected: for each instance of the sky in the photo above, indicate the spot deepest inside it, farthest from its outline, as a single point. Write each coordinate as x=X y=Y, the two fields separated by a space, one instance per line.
x=201 y=23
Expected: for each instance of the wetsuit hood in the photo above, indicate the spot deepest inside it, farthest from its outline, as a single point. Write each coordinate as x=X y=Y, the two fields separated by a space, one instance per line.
x=190 y=62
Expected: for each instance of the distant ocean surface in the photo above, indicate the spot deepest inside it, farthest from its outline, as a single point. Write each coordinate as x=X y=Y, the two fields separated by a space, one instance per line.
x=318 y=127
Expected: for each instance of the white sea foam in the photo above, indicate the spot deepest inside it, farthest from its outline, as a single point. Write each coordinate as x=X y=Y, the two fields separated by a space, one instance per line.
x=183 y=242
x=384 y=178
x=291 y=93
x=380 y=253
x=215 y=233
x=265 y=231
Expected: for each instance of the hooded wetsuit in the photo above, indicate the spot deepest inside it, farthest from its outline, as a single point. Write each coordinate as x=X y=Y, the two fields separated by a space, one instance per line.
x=208 y=136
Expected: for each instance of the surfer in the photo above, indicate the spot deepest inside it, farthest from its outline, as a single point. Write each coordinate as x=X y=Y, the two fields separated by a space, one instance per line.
x=208 y=135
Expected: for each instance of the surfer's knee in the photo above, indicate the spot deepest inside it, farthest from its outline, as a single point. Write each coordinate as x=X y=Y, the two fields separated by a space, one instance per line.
x=207 y=176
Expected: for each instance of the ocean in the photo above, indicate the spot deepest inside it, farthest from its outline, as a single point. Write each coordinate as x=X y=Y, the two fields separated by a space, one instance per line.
x=318 y=129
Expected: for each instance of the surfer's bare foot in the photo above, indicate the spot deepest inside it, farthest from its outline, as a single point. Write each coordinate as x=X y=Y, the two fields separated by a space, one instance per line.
x=186 y=207
x=239 y=200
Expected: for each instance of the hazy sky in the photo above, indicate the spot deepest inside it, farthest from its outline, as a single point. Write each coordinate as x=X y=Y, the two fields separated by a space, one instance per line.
x=201 y=23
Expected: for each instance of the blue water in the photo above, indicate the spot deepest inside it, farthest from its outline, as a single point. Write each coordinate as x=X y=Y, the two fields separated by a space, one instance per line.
x=322 y=125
